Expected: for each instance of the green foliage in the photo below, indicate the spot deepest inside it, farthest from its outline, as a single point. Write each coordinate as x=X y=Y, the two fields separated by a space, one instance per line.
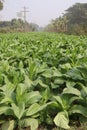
x=17 y=25
x=43 y=80
x=33 y=123
x=8 y=125
x=57 y=25
x=62 y=120
x=77 y=23
x=73 y=21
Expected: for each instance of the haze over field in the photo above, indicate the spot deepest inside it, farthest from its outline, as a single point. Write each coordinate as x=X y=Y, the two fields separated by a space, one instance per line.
x=41 y=11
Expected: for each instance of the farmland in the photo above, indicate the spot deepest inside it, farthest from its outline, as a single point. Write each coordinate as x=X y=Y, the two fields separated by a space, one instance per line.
x=43 y=81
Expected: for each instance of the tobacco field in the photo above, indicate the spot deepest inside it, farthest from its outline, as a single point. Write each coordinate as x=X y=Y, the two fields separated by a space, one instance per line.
x=43 y=81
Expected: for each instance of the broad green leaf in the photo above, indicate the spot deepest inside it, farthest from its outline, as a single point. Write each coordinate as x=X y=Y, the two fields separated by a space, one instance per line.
x=8 y=125
x=33 y=109
x=3 y=109
x=28 y=82
x=33 y=123
x=70 y=83
x=79 y=109
x=7 y=92
x=65 y=66
x=33 y=97
x=62 y=120
x=83 y=70
x=18 y=110
x=8 y=89
x=21 y=93
x=42 y=84
x=5 y=65
x=47 y=74
x=65 y=101
x=71 y=90
x=21 y=64
x=32 y=69
x=62 y=102
x=74 y=98
x=21 y=89
x=41 y=68
x=46 y=95
x=6 y=100
x=59 y=81
x=83 y=90
x=54 y=86
x=56 y=73
x=59 y=100
x=75 y=74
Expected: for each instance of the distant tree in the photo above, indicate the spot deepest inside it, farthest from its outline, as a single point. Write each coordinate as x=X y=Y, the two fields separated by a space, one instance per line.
x=49 y=27
x=57 y=25
x=77 y=13
x=17 y=23
x=14 y=23
x=77 y=17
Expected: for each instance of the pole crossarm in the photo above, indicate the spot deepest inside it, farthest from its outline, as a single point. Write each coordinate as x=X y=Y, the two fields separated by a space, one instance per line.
x=25 y=11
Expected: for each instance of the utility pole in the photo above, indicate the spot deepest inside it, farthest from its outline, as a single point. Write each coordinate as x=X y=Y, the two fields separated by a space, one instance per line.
x=24 y=16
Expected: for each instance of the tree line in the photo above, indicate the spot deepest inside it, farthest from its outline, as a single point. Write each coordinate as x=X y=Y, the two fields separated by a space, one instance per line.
x=73 y=21
x=17 y=25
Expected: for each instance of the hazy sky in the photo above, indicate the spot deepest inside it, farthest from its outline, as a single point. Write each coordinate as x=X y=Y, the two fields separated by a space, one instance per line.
x=41 y=11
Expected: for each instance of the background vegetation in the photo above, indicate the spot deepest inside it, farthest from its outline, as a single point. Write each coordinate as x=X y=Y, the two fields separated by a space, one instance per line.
x=73 y=21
